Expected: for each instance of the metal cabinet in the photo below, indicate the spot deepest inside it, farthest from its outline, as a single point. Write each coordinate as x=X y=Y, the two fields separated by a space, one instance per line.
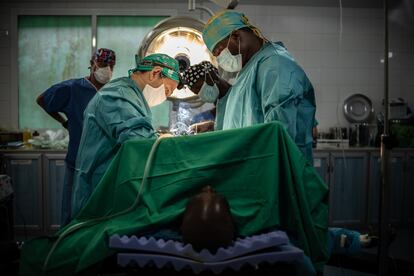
x=25 y=171
x=321 y=165
x=348 y=189
x=53 y=178
x=409 y=191
x=397 y=179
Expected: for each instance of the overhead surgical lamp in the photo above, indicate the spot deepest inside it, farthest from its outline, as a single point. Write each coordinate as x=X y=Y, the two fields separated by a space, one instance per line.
x=181 y=38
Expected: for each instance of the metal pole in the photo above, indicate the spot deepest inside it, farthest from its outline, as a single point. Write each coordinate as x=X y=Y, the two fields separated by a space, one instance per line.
x=385 y=157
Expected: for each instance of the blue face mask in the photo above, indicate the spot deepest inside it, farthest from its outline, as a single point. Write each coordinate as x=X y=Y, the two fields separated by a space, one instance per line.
x=208 y=93
x=228 y=61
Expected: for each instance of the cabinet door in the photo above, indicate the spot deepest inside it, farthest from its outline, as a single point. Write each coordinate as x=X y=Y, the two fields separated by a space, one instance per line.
x=348 y=185
x=320 y=163
x=409 y=191
x=396 y=186
x=25 y=172
x=53 y=174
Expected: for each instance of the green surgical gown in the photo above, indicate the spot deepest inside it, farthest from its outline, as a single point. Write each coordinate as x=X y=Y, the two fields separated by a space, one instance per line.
x=273 y=87
x=220 y=109
x=117 y=113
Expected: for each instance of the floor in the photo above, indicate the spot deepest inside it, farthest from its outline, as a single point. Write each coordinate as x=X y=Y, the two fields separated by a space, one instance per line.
x=401 y=253
x=339 y=271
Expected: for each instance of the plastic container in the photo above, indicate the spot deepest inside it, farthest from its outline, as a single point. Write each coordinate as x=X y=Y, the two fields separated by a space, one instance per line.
x=27 y=134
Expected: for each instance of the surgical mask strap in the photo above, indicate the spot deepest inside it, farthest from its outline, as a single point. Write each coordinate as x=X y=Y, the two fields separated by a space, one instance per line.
x=228 y=42
x=206 y=71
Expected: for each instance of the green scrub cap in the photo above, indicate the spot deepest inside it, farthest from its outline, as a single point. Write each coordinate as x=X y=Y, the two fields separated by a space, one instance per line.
x=169 y=65
x=222 y=24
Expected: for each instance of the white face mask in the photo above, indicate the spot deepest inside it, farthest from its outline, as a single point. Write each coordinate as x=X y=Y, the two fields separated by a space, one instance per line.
x=103 y=75
x=228 y=61
x=154 y=96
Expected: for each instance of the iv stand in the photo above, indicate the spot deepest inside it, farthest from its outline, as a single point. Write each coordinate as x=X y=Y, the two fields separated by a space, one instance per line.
x=384 y=203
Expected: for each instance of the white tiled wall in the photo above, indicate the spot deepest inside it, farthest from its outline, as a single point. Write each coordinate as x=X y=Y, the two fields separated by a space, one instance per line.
x=4 y=68
x=339 y=61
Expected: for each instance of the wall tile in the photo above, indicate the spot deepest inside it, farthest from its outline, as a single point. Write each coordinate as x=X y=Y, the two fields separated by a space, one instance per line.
x=298 y=55
x=345 y=76
x=408 y=95
x=313 y=58
x=4 y=74
x=314 y=75
x=4 y=56
x=5 y=40
x=296 y=24
x=5 y=114
x=329 y=42
x=313 y=25
x=296 y=42
x=5 y=19
x=329 y=76
x=329 y=59
x=313 y=41
x=376 y=42
x=328 y=93
x=347 y=59
x=4 y=92
x=330 y=25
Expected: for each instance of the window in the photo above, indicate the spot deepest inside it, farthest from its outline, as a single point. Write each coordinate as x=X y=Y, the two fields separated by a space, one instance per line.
x=51 y=49
x=57 y=48
x=124 y=35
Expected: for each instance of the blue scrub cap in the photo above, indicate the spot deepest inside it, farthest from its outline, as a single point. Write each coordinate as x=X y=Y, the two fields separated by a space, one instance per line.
x=222 y=24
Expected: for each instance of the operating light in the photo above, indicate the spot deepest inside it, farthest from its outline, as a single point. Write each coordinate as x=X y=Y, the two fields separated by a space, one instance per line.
x=180 y=38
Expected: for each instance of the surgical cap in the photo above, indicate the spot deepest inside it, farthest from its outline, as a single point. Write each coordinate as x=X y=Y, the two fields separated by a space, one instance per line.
x=194 y=72
x=169 y=65
x=222 y=25
x=104 y=55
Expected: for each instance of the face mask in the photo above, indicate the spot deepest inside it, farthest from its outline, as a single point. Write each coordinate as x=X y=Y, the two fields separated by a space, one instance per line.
x=103 y=75
x=208 y=93
x=154 y=96
x=228 y=61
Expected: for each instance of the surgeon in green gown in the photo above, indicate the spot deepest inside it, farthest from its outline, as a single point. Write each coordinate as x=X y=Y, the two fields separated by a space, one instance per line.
x=270 y=85
x=120 y=111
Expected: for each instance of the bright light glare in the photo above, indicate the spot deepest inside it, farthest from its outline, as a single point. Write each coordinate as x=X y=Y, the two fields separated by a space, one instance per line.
x=182 y=40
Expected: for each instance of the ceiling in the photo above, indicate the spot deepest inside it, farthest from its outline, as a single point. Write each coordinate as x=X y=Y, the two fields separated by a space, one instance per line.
x=306 y=3
x=318 y=3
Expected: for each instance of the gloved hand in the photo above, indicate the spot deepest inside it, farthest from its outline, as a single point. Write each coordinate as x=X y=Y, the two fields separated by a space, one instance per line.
x=202 y=127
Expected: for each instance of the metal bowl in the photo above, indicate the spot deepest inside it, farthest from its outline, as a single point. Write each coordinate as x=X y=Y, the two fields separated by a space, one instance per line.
x=358 y=109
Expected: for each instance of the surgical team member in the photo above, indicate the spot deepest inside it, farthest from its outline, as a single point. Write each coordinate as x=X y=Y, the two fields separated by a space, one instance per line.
x=71 y=97
x=203 y=79
x=121 y=111
x=270 y=85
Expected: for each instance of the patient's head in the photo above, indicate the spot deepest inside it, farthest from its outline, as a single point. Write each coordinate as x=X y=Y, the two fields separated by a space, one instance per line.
x=207 y=221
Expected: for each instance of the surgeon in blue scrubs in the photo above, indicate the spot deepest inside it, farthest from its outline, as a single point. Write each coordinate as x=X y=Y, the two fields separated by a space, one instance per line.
x=270 y=85
x=71 y=97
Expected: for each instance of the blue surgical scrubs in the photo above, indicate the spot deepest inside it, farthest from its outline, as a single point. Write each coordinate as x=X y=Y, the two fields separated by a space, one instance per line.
x=71 y=98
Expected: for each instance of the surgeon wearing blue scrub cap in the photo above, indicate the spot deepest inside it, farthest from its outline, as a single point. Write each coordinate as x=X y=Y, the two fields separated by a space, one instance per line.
x=270 y=85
